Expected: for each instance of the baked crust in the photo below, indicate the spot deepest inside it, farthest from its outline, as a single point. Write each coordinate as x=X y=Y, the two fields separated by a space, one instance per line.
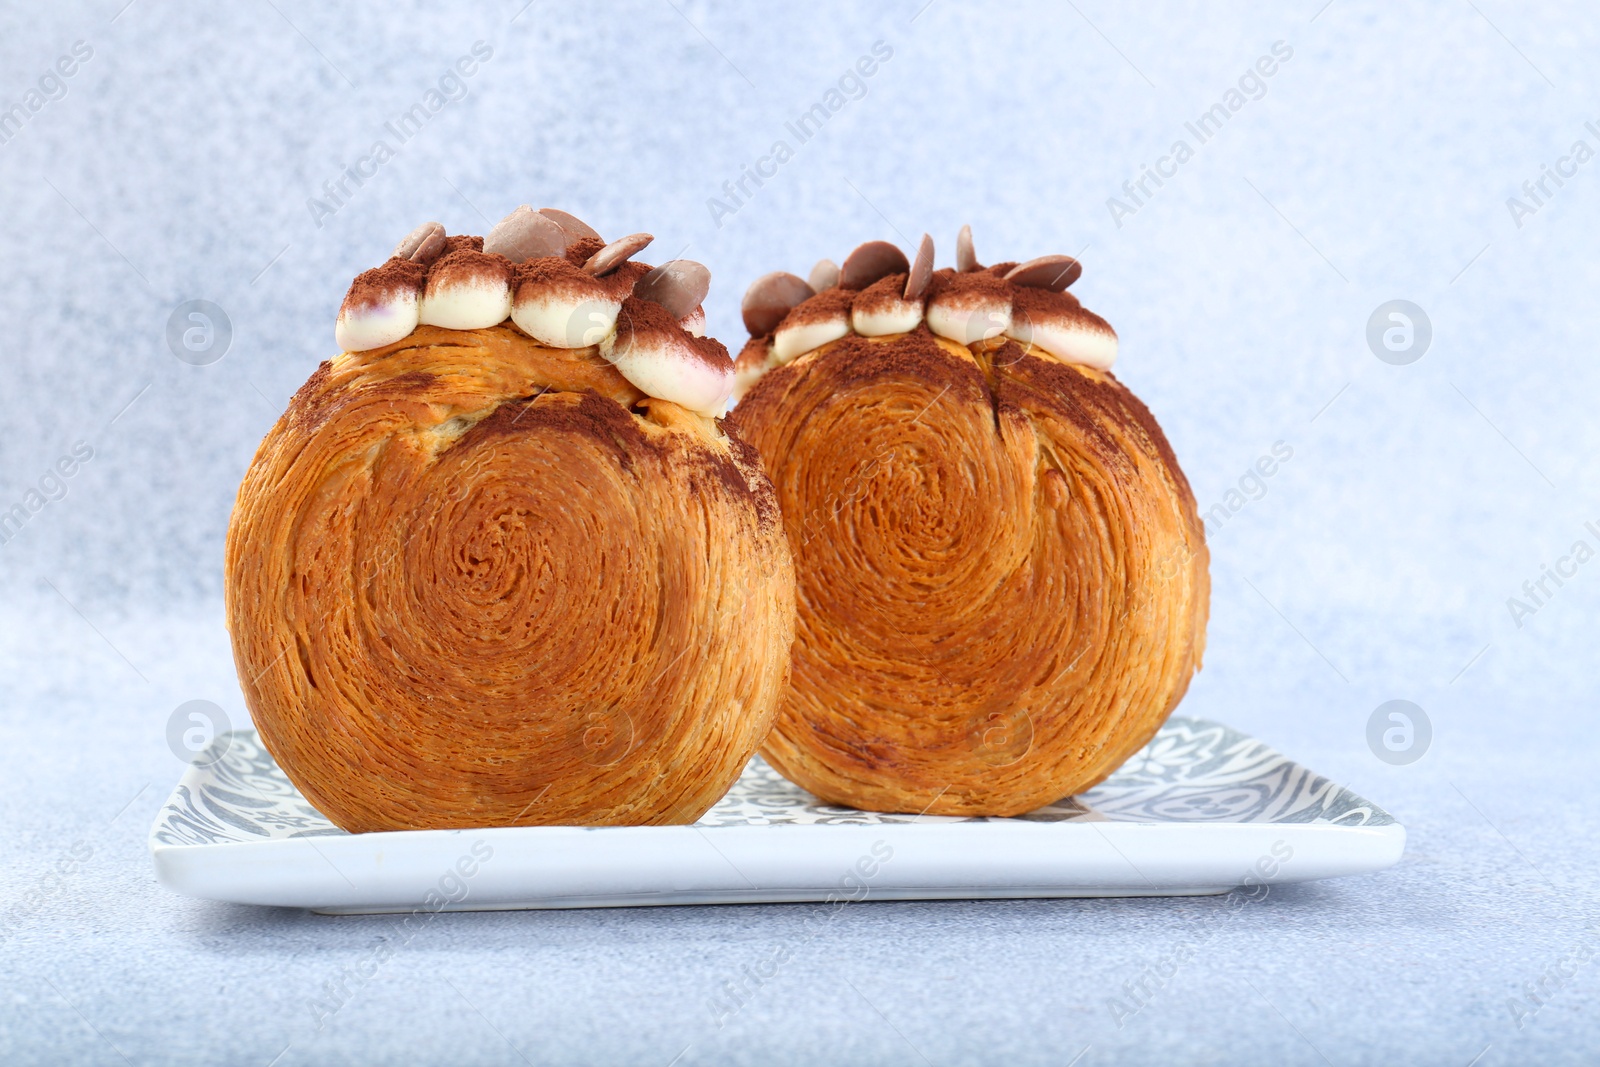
x=1002 y=578
x=475 y=581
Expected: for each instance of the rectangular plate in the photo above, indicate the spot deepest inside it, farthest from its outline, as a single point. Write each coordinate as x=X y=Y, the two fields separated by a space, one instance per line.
x=1201 y=809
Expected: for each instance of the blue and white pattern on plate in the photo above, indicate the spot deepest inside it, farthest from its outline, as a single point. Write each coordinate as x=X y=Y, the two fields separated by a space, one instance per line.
x=1194 y=771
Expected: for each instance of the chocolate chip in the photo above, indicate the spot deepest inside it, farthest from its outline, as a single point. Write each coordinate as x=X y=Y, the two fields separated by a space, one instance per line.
x=617 y=253
x=869 y=262
x=921 y=270
x=431 y=248
x=825 y=275
x=525 y=234
x=769 y=299
x=574 y=226
x=414 y=240
x=966 y=258
x=679 y=285
x=1054 y=273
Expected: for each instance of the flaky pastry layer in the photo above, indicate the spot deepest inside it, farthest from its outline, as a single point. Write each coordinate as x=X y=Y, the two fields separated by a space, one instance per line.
x=474 y=581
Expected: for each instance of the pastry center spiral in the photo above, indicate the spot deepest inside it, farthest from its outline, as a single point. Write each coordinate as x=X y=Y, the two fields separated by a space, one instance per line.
x=515 y=591
x=1001 y=575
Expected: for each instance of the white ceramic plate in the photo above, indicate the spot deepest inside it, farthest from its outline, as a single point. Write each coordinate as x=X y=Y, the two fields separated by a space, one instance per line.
x=1201 y=809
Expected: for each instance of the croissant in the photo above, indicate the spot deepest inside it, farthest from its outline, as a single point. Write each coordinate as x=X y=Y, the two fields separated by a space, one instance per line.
x=1002 y=576
x=498 y=564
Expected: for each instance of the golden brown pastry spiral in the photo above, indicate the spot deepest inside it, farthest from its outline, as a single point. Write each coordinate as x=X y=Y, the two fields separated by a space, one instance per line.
x=476 y=581
x=1002 y=579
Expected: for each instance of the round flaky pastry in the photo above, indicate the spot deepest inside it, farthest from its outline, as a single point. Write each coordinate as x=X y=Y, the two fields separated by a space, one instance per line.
x=1002 y=579
x=476 y=581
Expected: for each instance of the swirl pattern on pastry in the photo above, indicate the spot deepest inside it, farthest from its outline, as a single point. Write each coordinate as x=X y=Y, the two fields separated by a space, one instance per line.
x=474 y=580
x=1002 y=577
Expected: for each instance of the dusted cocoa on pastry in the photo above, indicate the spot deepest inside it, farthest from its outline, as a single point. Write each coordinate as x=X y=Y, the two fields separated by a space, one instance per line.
x=984 y=282
x=753 y=354
x=886 y=292
x=375 y=286
x=646 y=320
x=826 y=305
x=467 y=264
x=555 y=274
x=463 y=242
x=1044 y=302
x=582 y=249
x=621 y=280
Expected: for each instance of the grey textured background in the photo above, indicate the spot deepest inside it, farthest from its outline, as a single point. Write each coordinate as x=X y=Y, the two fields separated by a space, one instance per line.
x=1377 y=565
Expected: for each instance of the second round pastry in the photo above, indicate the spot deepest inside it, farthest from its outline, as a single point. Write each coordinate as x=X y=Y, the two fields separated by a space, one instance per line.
x=1002 y=576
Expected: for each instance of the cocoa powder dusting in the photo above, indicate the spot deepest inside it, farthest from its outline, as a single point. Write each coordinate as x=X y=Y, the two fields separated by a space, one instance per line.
x=551 y=272
x=620 y=282
x=1074 y=397
x=733 y=475
x=466 y=263
x=1042 y=303
x=749 y=468
x=303 y=414
x=709 y=350
x=978 y=282
x=646 y=318
x=825 y=306
x=753 y=354
x=940 y=279
x=377 y=285
x=915 y=356
x=886 y=292
x=583 y=249
x=1035 y=384
x=598 y=418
